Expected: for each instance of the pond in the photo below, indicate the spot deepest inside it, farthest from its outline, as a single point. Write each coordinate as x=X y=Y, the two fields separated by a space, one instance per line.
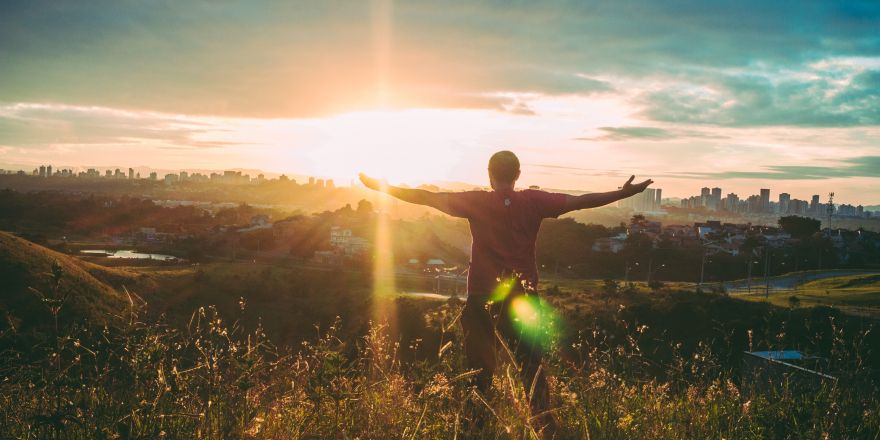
x=128 y=254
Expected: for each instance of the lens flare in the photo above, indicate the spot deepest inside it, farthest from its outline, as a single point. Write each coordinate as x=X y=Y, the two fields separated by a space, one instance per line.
x=534 y=319
x=503 y=289
x=384 y=288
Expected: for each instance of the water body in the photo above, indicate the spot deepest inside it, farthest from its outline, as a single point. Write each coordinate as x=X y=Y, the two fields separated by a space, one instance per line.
x=430 y=295
x=128 y=254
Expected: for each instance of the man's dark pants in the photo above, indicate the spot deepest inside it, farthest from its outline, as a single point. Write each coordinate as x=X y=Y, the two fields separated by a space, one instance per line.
x=480 y=320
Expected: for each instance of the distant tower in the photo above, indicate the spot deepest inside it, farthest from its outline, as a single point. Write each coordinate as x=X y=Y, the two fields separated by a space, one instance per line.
x=48 y=170
x=765 y=200
x=830 y=204
x=715 y=199
x=705 y=195
x=130 y=173
x=42 y=170
x=784 y=202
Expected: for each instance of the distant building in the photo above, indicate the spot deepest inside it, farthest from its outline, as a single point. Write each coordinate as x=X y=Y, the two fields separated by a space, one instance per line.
x=765 y=200
x=346 y=243
x=610 y=244
x=327 y=257
x=131 y=174
x=646 y=201
x=784 y=203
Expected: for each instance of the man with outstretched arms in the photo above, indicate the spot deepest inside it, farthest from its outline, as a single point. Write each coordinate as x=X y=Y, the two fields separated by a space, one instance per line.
x=504 y=226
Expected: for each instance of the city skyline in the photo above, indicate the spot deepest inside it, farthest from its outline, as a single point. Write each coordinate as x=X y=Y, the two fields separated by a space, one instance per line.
x=648 y=201
x=586 y=94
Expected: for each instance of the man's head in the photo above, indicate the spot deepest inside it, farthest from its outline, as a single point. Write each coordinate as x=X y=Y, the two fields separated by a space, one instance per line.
x=503 y=169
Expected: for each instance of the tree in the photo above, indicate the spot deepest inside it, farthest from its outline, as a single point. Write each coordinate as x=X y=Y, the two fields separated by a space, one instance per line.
x=799 y=227
x=365 y=208
x=610 y=289
x=637 y=219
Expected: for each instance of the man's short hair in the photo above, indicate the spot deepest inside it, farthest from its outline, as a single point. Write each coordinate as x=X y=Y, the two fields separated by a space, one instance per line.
x=504 y=167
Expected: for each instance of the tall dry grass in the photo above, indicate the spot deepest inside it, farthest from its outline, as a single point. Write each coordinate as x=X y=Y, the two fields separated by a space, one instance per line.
x=214 y=380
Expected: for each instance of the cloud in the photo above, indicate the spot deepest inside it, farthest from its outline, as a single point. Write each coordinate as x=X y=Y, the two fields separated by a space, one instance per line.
x=814 y=97
x=865 y=166
x=41 y=126
x=648 y=134
x=307 y=59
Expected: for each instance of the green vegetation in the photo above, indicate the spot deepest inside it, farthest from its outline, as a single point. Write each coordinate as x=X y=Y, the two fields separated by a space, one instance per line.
x=211 y=379
x=28 y=282
x=858 y=294
x=629 y=363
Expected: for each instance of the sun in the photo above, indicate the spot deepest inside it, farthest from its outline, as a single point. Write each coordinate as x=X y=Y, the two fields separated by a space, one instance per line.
x=410 y=146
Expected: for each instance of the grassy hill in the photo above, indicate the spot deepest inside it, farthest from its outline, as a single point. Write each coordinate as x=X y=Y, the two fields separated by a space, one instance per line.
x=857 y=294
x=30 y=272
x=628 y=363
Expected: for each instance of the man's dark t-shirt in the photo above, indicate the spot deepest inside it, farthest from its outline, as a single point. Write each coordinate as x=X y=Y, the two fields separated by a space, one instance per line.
x=504 y=226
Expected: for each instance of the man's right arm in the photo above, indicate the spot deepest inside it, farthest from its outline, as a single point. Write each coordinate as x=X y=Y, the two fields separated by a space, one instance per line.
x=417 y=196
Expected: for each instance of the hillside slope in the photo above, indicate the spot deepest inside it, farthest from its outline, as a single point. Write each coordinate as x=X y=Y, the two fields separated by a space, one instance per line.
x=25 y=266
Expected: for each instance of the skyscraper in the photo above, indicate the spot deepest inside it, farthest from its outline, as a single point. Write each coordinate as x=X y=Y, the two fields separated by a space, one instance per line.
x=705 y=195
x=765 y=200
x=657 y=199
x=716 y=199
x=732 y=202
x=784 y=202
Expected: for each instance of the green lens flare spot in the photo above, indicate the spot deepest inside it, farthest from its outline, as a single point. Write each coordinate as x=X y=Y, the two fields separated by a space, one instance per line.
x=503 y=289
x=534 y=319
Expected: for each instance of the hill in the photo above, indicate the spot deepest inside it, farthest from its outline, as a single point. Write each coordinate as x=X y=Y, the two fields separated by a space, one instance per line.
x=856 y=294
x=29 y=271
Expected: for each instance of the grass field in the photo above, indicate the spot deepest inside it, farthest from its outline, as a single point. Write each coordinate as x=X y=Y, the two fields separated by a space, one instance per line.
x=857 y=294
x=625 y=362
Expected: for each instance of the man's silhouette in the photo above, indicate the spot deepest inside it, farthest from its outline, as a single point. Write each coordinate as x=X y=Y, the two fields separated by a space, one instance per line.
x=504 y=225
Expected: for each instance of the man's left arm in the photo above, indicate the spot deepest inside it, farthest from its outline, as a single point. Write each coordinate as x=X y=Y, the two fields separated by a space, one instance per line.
x=594 y=200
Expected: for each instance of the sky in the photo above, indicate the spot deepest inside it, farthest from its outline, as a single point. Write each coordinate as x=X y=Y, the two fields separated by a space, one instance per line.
x=742 y=95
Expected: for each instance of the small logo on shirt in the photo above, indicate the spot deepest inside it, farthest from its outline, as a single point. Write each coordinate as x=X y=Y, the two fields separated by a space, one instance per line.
x=507 y=201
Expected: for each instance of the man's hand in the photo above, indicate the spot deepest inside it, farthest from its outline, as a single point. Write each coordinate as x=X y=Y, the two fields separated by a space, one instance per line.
x=630 y=189
x=374 y=184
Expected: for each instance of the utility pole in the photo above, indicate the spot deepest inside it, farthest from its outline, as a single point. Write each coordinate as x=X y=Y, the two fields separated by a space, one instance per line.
x=749 y=279
x=767 y=274
x=702 y=267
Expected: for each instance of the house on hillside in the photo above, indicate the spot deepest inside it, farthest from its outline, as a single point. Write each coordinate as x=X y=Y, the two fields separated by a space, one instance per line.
x=435 y=264
x=346 y=243
x=610 y=244
x=327 y=257
x=258 y=222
